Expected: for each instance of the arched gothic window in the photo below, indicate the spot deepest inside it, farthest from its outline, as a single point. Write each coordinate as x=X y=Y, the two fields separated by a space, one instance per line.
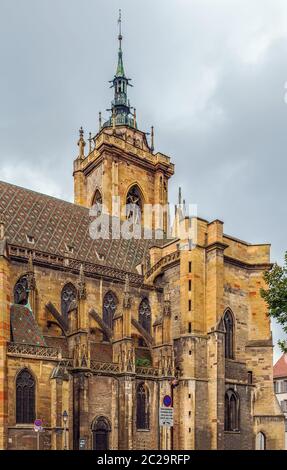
x=98 y=202
x=145 y=315
x=229 y=335
x=232 y=409
x=68 y=298
x=260 y=441
x=109 y=308
x=101 y=430
x=21 y=292
x=25 y=397
x=134 y=205
x=142 y=412
x=144 y=318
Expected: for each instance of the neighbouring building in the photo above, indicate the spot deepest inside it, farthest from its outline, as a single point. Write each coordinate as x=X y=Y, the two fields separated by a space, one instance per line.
x=94 y=332
x=280 y=387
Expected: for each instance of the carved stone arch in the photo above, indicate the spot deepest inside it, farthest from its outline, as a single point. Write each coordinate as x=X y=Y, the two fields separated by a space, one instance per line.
x=260 y=441
x=144 y=313
x=231 y=410
x=97 y=200
x=142 y=406
x=228 y=320
x=28 y=368
x=21 y=291
x=144 y=322
x=101 y=429
x=68 y=299
x=101 y=419
x=110 y=303
x=25 y=396
x=134 y=202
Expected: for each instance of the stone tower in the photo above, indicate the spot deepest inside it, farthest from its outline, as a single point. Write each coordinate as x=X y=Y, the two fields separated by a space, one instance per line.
x=121 y=166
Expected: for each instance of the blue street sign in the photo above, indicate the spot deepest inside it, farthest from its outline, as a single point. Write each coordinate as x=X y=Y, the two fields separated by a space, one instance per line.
x=167 y=401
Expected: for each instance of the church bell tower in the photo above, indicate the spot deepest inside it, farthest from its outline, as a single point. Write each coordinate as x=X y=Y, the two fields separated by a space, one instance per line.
x=121 y=164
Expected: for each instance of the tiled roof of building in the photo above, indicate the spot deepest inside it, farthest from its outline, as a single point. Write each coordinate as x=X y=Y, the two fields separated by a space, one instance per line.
x=280 y=368
x=24 y=328
x=54 y=225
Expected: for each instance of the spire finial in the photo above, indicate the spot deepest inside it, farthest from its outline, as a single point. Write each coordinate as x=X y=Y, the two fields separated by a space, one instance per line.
x=81 y=143
x=120 y=83
x=127 y=298
x=120 y=68
x=100 y=120
x=120 y=29
x=81 y=284
x=90 y=142
x=179 y=195
x=152 y=139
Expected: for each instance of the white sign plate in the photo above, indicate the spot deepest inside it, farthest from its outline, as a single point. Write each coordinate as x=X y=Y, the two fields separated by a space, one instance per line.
x=166 y=416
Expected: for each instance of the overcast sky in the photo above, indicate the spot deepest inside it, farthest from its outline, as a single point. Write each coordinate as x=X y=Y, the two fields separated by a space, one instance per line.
x=208 y=74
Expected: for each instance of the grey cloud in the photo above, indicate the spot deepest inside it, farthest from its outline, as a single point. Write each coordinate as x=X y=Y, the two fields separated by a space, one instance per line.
x=217 y=110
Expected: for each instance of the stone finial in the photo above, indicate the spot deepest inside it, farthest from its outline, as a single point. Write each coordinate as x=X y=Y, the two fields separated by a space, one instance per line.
x=81 y=144
x=31 y=275
x=66 y=260
x=2 y=227
x=81 y=284
x=179 y=196
x=127 y=284
x=127 y=299
x=100 y=120
x=90 y=142
x=30 y=263
x=152 y=139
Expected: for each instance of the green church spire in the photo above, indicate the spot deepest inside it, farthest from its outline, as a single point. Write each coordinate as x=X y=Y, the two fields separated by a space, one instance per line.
x=120 y=68
x=121 y=114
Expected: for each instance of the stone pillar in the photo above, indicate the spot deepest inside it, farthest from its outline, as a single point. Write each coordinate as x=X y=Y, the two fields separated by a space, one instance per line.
x=81 y=425
x=126 y=412
x=214 y=312
x=59 y=404
x=216 y=388
x=124 y=355
x=80 y=197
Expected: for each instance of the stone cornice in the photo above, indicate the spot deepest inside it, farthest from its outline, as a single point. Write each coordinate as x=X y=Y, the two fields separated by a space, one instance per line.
x=91 y=270
x=216 y=246
x=248 y=266
x=118 y=148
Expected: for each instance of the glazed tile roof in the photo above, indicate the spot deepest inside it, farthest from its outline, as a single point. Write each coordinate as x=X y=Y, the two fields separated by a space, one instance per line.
x=55 y=224
x=280 y=368
x=24 y=328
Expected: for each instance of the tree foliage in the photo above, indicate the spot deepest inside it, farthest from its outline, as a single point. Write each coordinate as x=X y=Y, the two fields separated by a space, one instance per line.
x=276 y=296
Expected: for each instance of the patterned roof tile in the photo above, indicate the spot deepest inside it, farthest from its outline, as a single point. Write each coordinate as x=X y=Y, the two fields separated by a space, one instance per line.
x=55 y=223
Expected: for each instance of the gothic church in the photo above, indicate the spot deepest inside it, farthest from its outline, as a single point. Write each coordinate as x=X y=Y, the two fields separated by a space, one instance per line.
x=94 y=332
